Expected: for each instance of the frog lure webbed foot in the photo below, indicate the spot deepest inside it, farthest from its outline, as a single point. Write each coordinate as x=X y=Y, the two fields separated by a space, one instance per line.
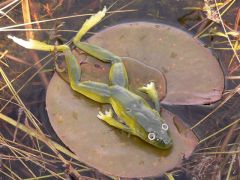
x=109 y=119
x=151 y=91
x=105 y=116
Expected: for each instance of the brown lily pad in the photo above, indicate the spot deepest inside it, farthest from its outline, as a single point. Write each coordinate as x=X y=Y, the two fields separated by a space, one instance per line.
x=192 y=73
x=185 y=73
x=105 y=148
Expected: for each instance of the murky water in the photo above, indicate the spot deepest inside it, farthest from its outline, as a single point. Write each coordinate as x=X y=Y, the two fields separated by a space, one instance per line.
x=171 y=12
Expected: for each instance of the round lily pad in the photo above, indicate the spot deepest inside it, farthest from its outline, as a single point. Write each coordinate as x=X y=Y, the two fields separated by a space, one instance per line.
x=110 y=150
x=192 y=73
x=151 y=52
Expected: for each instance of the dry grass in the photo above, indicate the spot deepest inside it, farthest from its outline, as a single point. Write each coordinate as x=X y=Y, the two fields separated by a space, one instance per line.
x=27 y=149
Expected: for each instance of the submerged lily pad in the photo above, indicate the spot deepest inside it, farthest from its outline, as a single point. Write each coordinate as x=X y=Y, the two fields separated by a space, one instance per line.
x=192 y=73
x=111 y=151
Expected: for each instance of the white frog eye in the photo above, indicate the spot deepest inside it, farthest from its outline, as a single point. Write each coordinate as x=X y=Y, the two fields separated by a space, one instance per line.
x=151 y=136
x=164 y=127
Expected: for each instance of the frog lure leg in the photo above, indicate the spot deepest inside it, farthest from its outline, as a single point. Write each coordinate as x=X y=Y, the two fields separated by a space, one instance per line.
x=97 y=91
x=117 y=76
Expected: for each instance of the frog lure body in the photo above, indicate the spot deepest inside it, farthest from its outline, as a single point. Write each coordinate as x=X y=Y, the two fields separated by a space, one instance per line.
x=139 y=118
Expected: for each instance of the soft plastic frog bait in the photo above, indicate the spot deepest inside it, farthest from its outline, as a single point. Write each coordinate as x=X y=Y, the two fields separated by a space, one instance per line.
x=139 y=118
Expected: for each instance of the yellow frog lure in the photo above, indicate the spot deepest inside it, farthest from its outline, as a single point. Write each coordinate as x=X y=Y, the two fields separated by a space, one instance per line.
x=139 y=118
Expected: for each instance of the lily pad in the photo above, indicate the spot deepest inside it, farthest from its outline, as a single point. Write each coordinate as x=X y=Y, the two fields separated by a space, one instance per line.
x=192 y=73
x=111 y=151
x=185 y=73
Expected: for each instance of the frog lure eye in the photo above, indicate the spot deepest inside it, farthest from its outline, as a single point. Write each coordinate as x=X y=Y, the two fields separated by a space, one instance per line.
x=164 y=126
x=151 y=136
